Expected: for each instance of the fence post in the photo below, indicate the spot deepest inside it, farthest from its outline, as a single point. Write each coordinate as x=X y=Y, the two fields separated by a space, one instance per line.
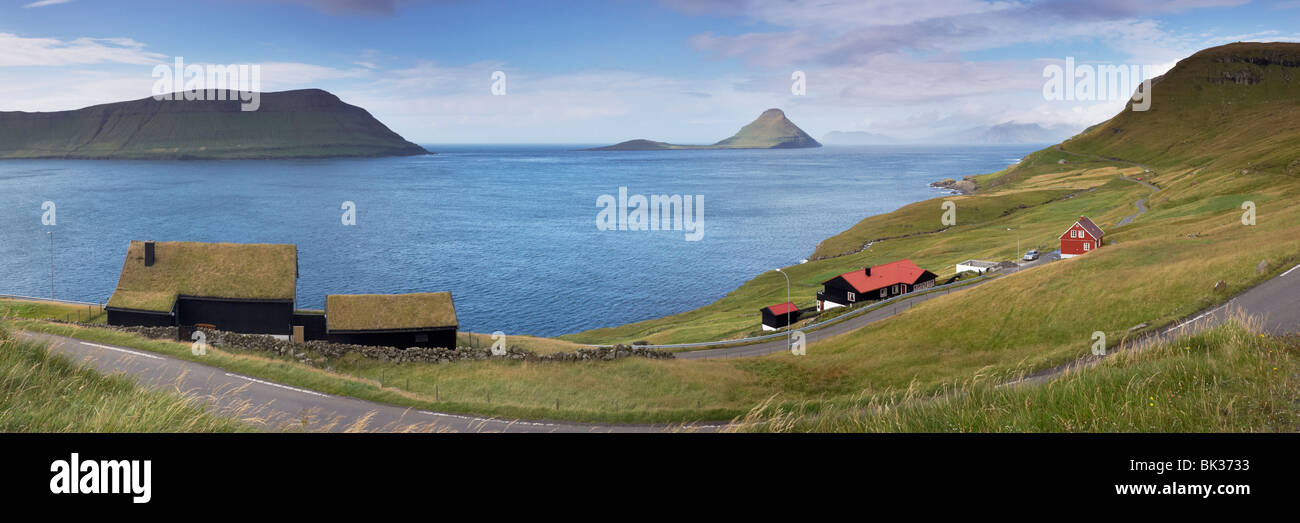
x=557 y=403
x=436 y=395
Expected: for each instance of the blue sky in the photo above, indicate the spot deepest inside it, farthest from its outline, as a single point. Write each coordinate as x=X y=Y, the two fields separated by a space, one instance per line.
x=595 y=72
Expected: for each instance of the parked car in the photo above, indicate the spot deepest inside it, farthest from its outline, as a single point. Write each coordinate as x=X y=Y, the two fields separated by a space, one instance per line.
x=1031 y=255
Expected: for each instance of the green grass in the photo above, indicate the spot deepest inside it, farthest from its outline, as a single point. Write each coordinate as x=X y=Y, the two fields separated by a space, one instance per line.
x=1227 y=379
x=43 y=392
x=628 y=390
x=52 y=311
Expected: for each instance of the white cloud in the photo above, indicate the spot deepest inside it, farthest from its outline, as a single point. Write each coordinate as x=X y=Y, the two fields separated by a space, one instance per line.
x=22 y=51
x=43 y=3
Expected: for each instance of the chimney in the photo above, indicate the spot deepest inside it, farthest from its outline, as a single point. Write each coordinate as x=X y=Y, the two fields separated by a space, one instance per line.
x=867 y=270
x=148 y=254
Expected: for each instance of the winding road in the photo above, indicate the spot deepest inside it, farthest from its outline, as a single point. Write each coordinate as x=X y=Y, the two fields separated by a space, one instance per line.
x=1141 y=204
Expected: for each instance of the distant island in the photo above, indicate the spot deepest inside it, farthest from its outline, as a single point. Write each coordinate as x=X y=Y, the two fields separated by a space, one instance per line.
x=771 y=130
x=1006 y=133
x=307 y=123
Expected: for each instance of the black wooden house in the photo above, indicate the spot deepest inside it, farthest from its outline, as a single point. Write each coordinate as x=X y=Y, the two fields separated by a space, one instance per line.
x=245 y=288
x=392 y=320
x=873 y=283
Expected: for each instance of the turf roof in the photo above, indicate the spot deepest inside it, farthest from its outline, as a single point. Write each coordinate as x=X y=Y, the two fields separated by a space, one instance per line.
x=216 y=270
x=377 y=312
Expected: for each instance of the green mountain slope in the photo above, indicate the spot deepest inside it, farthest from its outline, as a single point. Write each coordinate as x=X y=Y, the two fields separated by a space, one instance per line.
x=307 y=123
x=1234 y=107
x=771 y=130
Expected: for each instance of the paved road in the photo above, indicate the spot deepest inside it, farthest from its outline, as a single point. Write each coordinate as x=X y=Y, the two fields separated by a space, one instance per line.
x=1274 y=303
x=282 y=407
x=1141 y=204
x=849 y=325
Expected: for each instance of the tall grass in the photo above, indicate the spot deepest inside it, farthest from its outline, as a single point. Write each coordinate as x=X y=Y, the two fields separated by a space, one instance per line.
x=43 y=392
x=1225 y=379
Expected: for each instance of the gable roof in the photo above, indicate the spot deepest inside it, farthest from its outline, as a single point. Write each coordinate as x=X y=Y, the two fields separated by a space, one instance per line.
x=901 y=271
x=1087 y=225
x=387 y=312
x=781 y=309
x=215 y=270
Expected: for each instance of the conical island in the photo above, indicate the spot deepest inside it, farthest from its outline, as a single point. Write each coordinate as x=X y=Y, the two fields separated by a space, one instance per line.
x=771 y=130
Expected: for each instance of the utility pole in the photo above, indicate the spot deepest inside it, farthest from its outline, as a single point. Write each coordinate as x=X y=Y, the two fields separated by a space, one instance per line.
x=788 y=326
x=51 y=235
x=1017 y=253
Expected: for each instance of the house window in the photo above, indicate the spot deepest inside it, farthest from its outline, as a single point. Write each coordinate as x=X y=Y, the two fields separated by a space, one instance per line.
x=853 y=297
x=1074 y=234
x=883 y=292
x=1087 y=246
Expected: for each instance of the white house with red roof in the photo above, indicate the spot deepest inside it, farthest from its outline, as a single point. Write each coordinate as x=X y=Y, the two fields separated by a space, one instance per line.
x=779 y=315
x=1081 y=238
x=874 y=283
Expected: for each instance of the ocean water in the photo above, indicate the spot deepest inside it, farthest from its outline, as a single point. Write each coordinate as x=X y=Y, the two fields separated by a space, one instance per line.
x=511 y=231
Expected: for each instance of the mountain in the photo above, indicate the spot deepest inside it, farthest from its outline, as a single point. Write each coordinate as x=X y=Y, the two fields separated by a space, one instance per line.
x=308 y=123
x=771 y=130
x=858 y=138
x=1007 y=133
x=1231 y=108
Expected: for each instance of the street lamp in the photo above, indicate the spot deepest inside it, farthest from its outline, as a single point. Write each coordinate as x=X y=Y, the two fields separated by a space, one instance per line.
x=51 y=235
x=1017 y=254
x=788 y=325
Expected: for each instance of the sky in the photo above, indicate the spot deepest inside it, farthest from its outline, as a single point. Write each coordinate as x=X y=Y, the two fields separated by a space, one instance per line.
x=684 y=71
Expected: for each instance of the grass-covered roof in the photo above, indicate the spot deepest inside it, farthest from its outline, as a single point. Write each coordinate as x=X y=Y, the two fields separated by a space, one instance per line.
x=377 y=312
x=217 y=270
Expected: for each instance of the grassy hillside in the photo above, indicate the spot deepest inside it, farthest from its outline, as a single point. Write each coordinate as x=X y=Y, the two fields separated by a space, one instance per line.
x=1222 y=380
x=306 y=123
x=41 y=392
x=1227 y=109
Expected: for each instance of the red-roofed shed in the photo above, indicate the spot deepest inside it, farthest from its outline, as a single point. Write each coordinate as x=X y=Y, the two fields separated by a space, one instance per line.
x=779 y=315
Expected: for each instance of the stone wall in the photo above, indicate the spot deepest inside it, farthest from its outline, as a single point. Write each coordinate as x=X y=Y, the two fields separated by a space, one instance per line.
x=318 y=352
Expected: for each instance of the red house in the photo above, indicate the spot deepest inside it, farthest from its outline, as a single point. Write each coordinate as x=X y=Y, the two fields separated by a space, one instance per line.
x=873 y=283
x=1081 y=238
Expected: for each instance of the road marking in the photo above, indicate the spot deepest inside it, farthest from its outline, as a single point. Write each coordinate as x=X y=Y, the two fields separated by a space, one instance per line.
x=1288 y=271
x=286 y=387
x=1212 y=311
x=131 y=352
x=493 y=420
